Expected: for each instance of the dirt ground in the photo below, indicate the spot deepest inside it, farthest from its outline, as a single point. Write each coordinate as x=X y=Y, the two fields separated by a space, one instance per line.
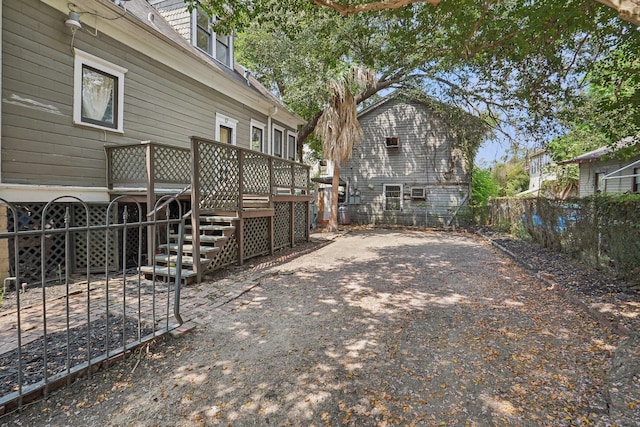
x=377 y=328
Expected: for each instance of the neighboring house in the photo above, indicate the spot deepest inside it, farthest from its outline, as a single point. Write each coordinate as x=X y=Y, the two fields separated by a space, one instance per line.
x=410 y=167
x=539 y=165
x=602 y=172
x=82 y=79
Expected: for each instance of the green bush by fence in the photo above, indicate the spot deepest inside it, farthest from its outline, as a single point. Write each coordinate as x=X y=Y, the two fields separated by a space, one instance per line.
x=602 y=230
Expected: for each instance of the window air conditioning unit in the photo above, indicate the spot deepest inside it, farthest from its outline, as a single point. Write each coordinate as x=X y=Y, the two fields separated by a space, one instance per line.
x=418 y=193
x=392 y=142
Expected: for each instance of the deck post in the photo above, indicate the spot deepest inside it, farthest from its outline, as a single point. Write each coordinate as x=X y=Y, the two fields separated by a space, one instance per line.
x=240 y=234
x=195 y=208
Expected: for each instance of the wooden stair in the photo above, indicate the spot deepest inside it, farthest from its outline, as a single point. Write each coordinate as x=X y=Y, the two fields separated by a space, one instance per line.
x=214 y=232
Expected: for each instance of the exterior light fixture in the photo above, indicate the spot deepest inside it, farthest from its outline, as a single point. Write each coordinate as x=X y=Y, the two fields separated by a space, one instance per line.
x=73 y=21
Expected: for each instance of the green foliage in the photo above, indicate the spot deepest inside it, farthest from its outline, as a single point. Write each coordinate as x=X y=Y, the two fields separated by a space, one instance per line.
x=511 y=176
x=493 y=59
x=608 y=110
x=602 y=230
x=483 y=186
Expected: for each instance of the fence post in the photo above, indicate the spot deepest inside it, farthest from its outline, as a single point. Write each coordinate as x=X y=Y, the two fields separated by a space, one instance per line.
x=195 y=207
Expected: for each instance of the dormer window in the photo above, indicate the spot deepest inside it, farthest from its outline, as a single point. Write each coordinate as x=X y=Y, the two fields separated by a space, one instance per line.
x=392 y=142
x=204 y=38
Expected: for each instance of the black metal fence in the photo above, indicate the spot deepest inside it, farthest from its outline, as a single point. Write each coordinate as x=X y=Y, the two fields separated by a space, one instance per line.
x=67 y=318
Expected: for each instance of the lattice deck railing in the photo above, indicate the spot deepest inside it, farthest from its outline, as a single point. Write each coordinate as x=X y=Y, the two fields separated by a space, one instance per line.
x=127 y=166
x=269 y=193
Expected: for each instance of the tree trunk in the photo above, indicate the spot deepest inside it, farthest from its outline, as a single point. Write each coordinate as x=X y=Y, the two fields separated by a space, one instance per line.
x=335 y=182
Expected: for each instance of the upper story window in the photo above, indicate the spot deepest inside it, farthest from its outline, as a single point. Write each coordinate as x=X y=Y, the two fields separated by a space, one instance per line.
x=98 y=92
x=636 y=180
x=226 y=129
x=218 y=46
x=291 y=146
x=278 y=136
x=257 y=136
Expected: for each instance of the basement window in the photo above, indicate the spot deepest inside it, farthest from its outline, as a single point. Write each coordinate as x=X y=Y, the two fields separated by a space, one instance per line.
x=392 y=142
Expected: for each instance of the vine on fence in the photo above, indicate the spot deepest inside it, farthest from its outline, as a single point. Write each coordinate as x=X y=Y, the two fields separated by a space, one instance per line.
x=602 y=230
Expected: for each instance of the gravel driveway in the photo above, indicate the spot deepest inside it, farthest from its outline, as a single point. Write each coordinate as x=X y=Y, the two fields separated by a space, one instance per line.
x=377 y=328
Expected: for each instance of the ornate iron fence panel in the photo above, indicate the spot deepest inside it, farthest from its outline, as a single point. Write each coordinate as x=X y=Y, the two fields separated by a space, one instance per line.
x=301 y=224
x=66 y=327
x=282 y=225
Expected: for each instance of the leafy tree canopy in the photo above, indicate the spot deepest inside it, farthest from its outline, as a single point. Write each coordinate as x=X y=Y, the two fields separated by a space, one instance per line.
x=492 y=58
x=483 y=186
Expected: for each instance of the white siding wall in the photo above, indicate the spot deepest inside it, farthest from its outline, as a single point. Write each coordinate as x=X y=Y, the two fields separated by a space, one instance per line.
x=613 y=185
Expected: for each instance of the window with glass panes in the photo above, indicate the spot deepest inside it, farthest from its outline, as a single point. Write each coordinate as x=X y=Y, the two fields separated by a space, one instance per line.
x=392 y=197
x=277 y=142
x=291 y=149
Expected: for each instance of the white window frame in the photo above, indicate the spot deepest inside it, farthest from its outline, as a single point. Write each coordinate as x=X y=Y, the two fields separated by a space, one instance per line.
x=213 y=40
x=258 y=125
x=273 y=141
x=384 y=196
x=226 y=121
x=81 y=59
x=293 y=135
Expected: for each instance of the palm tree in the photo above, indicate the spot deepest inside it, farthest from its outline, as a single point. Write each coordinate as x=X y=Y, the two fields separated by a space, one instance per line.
x=338 y=126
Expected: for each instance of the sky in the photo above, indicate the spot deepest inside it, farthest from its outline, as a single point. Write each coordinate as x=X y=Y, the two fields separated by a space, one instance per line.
x=490 y=151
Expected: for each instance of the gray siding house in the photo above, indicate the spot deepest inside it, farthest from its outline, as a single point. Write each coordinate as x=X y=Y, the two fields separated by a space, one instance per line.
x=410 y=168
x=105 y=98
x=167 y=90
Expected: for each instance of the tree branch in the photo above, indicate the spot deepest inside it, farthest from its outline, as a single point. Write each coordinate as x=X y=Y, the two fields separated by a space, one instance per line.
x=309 y=127
x=344 y=10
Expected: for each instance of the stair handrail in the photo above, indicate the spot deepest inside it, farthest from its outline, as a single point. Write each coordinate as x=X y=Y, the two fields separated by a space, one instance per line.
x=169 y=200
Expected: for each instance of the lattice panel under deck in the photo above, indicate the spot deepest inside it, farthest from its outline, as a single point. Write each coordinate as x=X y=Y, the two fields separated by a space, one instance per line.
x=218 y=177
x=282 y=173
x=301 y=225
x=228 y=254
x=128 y=164
x=172 y=164
x=256 y=237
x=281 y=221
x=97 y=258
x=301 y=176
x=30 y=247
x=256 y=173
